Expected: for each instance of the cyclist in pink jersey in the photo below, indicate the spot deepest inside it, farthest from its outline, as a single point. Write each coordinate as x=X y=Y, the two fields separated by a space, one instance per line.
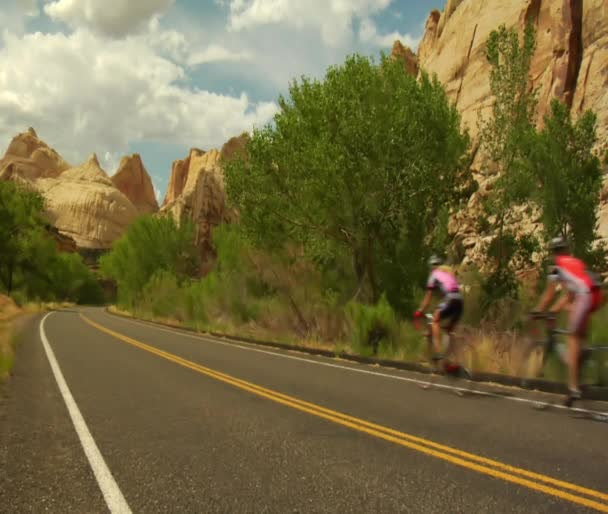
x=583 y=297
x=442 y=281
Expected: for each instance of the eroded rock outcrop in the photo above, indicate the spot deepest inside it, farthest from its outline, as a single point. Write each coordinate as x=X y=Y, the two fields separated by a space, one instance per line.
x=454 y=44
x=29 y=158
x=84 y=204
x=405 y=55
x=196 y=191
x=569 y=64
x=592 y=84
x=133 y=180
x=198 y=194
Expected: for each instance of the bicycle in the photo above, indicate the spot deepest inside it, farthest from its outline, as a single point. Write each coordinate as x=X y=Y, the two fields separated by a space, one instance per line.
x=537 y=352
x=456 y=359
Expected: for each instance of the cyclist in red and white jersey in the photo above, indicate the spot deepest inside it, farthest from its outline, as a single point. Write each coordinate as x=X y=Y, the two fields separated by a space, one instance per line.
x=583 y=297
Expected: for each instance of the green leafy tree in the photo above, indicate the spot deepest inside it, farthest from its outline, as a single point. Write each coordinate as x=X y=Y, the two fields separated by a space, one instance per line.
x=21 y=224
x=505 y=139
x=29 y=260
x=569 y=177
x=355 y=169
x=151 y=244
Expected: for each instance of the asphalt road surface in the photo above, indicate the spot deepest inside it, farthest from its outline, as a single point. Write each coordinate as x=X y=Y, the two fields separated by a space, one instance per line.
x=109 y=414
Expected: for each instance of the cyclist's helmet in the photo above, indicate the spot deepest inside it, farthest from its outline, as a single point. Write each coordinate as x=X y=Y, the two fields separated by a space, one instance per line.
x=558 y=244
x=435 y=261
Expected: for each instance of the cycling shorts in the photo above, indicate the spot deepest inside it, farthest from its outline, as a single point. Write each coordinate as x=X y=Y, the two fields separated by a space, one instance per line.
x=583 y=306
x=451 y=308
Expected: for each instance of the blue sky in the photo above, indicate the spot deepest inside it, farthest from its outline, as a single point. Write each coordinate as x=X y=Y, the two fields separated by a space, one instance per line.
x=158 y=77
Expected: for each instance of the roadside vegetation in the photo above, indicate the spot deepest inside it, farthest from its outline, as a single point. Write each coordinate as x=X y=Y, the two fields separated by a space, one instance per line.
x=343 y=198
x=34 y=275
x=31 y=267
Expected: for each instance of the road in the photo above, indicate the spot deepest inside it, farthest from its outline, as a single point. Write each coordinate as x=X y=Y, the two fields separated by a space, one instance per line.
x=109 y=414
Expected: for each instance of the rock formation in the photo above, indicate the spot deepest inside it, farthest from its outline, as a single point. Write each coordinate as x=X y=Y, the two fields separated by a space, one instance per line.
x=82 y=203
x=570 y=64
x=135 y=183
x=406 y=56
x=196 y=191
x=29 y=158
x=453 y=47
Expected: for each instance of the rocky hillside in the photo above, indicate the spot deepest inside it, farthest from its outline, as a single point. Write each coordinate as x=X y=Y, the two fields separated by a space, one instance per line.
x=88 y=210
x=82 y=202
x=570 y=64
x=196 y=191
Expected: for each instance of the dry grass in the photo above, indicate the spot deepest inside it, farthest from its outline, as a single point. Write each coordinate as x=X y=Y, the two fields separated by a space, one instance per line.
x=9 y=312
x=11 y=316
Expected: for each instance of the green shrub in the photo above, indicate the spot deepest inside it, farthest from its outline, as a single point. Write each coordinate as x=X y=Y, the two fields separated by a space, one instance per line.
x=373 y=327
x=162 y=296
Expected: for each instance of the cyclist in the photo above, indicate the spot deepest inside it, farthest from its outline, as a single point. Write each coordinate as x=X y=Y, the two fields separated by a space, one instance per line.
x=442 y=280
x=583 y=297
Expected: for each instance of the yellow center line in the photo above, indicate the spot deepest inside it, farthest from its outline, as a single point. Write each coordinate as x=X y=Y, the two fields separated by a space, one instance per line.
x=453 y=455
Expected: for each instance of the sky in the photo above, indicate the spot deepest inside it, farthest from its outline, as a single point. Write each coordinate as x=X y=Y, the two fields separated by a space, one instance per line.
x=158 y=77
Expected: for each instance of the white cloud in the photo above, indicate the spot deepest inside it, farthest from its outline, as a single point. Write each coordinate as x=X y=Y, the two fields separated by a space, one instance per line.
x=332 y=17
x=87 y=94
x=28 y=7
x=115 y=18
x=216 y=53
x=369 y=33
x=157 y=193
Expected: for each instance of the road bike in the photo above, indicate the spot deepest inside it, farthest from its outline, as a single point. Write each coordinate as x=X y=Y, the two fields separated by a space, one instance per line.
x=457 y=358
x=537 y=352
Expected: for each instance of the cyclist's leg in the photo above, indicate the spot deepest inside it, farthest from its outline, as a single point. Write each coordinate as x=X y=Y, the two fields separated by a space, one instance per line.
x=436 y=329
x=453 y=316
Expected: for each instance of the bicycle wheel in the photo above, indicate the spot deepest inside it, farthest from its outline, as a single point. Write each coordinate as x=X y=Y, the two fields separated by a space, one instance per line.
x=463 y=352
x=594 y=370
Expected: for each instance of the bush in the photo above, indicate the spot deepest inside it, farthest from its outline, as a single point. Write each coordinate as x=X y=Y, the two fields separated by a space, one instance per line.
x=151 y=244
x=162 y=296
x=373 y=327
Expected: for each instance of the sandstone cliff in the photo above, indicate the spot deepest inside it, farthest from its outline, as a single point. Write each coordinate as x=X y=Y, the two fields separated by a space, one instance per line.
x=133 y=180
x=570 y=64
x=82 y=203
x=454 y=42
x=196 y=191
x=30 y=158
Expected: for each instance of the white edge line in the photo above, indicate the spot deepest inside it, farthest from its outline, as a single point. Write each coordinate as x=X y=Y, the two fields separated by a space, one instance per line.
x=249 y=347
x=111 y=492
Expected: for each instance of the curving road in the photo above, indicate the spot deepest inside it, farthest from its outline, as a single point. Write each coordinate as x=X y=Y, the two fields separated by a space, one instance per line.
x=109 y=414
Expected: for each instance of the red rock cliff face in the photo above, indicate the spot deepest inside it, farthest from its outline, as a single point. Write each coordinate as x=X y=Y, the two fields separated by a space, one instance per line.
x=133 y=180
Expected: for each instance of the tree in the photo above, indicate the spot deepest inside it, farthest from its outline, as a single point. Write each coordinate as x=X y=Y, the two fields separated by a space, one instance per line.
x=355 y=168
x=29 y=260
x=504 y=139
x=569 y=177
x=151 y=243
x=20 y=223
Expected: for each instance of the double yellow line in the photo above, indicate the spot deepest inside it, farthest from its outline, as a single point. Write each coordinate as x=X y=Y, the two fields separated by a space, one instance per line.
x=536 y=481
